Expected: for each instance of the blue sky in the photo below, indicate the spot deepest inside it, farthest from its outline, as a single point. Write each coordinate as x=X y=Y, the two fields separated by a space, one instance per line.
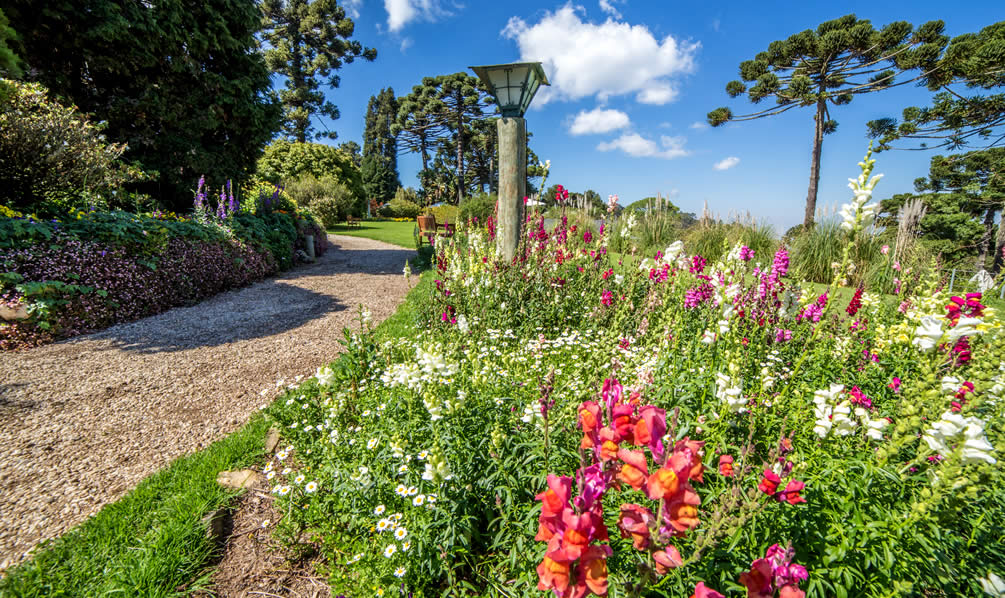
x=632 y=83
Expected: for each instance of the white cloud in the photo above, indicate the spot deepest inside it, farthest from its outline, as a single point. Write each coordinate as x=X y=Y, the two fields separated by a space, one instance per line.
x=402 y=12
x=699 y=125
x=608 y=7
x=659 y=94
x=607 y=59
x=674 y=193
x=726 y=163
x=638 y=146
x=406 y=44
x=352 y=7
x=598 y=120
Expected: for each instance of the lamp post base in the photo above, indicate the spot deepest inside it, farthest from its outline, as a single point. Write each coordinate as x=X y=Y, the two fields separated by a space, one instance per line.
x=512 y=184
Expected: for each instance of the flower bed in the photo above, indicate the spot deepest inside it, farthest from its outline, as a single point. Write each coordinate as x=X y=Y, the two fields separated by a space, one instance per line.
x=682 y=428
x=95 y=269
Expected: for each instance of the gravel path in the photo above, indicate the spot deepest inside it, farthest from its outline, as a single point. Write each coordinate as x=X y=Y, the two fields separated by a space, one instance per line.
x=85 y=420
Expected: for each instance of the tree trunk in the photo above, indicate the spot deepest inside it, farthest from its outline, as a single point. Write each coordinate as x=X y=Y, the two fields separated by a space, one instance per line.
x=460 y=150
x=818 y=141
x=999 y=244
x=297 y=77
x=989 y=224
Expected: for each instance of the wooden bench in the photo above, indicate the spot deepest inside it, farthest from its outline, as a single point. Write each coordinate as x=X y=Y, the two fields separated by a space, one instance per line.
x=429 y=229
x=352 y=221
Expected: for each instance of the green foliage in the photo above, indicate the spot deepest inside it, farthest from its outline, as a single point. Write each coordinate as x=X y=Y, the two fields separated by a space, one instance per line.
x=401 y=206
x=10 y=64
x=328 y=200
x=713 y=239
x=816 y=252
x=955 y=120
x=480 y=206
x=841 y=59
x=288 y=161
x=379 y=180
x=445 y=213
x=380 y=146
x=180 y=83
x=52 y=158
x=308 y=43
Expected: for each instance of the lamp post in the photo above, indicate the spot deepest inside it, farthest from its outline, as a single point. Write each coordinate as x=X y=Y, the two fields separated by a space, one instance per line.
x=513 y=86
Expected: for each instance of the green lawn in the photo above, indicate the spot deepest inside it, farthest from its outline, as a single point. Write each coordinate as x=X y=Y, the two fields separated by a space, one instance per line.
x=395 y=233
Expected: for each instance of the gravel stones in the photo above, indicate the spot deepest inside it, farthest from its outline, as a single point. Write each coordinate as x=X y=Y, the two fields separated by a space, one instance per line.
x=85 y=420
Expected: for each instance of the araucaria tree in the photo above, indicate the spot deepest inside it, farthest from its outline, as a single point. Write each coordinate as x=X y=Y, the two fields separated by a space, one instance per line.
x=827 y=67
x=459 y=100
x=380 y=146
x=419 y=125
x=974 y=61
x=308 y=41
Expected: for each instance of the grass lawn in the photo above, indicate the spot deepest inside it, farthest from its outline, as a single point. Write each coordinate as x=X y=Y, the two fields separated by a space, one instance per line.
x=152 y=542
x=395 y=233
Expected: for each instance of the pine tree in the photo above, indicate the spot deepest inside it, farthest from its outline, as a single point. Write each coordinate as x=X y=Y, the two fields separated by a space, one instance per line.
x=308 y=42
x=380 y=146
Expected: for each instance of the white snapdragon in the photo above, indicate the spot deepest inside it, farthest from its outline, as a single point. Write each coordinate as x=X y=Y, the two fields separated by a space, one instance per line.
x=325 y=376
x=953 y=428
x=857 y=214
x=928 y=334
x=730 y=393
x=462 y=324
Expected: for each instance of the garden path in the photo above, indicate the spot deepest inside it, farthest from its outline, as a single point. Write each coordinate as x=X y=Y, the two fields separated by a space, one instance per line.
x=85 y=420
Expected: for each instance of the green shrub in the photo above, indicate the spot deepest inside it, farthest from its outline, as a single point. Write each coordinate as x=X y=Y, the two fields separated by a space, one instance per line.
x=446 y=213
x=285 y=161
x=480 y=206
x=400 y=208
x=328 y=199
x=52 y=158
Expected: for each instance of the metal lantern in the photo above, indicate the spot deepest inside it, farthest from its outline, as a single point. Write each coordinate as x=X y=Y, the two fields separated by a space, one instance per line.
x=513 y=85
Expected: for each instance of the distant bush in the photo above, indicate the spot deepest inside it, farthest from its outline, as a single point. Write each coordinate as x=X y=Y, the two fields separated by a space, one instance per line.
x=286 y=161
x=400 y=208
x=480 y=206
x=328 y=199
x=446 y=213
x=816 y=251
x=52 y=158
x=713 y=239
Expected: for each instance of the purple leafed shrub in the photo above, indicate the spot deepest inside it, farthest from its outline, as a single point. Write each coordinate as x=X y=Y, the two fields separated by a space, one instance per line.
x=187 y=271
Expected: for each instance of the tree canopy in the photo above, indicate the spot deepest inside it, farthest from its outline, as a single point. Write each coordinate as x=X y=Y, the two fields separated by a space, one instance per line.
x=308 y=41
x=285 y=160
x=188 y=99
x=380 y=147
x=971 y=62
x=829 y=66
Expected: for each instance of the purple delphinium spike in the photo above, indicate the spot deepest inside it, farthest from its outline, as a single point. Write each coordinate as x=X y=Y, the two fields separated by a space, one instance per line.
x=232 y=205
x=200 y=195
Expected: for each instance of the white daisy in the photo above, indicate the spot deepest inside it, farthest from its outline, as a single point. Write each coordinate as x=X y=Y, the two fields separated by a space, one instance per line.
x=287 y=471
x=284 y=490
x=423 y=455
x=311 y=487
x=270 y=475
x=379 y=510
x=390 y=550
x=372 y=444
x=383 y=525
x=412 y=491
x=399 y=572
x=400 y=533
x=355 y=557
x=299 y=479
x=402 y=470
x=406 y=545
x=401 y=490
x=418 y=500
x=282 y=455
x=265 y=523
